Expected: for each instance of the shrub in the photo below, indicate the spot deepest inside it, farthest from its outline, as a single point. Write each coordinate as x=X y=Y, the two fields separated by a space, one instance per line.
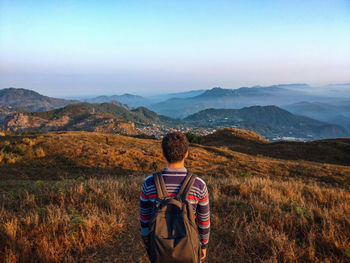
x=193 y=138
x=76 y=220
x=145 y=136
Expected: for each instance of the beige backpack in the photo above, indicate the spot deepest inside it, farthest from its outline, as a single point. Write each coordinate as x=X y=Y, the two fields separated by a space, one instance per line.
x=173 y=231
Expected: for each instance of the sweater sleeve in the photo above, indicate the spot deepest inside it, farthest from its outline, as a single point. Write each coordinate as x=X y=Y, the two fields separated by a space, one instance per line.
x=203 y=217
x=145 y=210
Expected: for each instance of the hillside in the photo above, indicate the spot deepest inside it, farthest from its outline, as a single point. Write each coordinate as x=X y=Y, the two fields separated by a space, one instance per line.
x=128 y=154
x=30 y=100
x=269 y=121
x=236 y=98
x=231 y=136
x=336 y=151
x=89 y=117
x=82 y=190
x=104 y=117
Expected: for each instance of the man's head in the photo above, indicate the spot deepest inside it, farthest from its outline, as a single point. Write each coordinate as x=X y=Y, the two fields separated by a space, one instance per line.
x=175 y=147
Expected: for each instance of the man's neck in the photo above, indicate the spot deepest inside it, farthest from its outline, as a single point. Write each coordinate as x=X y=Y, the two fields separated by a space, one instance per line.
x=176 y=165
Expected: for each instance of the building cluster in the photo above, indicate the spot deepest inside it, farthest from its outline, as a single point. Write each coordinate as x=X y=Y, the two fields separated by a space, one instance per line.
x=160 y=130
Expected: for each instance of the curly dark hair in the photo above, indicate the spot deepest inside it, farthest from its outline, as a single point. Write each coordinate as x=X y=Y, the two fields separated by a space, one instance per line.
x=175 y=146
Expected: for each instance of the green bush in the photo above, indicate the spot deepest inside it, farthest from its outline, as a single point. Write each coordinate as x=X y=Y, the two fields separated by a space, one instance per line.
x=193 y=138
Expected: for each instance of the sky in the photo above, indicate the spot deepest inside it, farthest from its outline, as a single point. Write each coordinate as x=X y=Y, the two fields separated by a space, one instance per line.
x=79 y=48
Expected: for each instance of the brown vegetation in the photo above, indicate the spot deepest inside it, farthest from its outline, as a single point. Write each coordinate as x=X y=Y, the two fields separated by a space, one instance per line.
x=233 y=135
x=78 y=201
x=335 y=151
x=99 y=122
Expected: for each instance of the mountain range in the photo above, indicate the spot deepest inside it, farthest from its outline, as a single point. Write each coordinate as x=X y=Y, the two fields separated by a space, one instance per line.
x=336 y=113
x=269 y=121
x=238 y=98
x=137 y=101
x=128 y=99
x=23 y=110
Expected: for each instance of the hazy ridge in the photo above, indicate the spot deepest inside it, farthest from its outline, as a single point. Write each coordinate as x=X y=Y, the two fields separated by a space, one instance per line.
x=270 y=121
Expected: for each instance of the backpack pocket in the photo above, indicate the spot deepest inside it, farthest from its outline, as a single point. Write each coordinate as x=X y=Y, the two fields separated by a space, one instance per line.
x=170 y=224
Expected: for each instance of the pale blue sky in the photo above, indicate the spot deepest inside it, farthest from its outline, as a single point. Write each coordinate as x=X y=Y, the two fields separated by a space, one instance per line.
x=68 y=48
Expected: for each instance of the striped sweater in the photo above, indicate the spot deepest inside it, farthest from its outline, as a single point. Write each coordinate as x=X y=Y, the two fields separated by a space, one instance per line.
x=197 y=197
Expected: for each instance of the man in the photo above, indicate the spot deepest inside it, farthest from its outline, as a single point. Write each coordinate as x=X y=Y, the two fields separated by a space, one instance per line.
x=175 y=150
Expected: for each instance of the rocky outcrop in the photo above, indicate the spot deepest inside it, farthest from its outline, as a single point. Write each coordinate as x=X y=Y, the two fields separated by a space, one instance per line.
x=106 y=123
x=21 y=122
x=6 y=111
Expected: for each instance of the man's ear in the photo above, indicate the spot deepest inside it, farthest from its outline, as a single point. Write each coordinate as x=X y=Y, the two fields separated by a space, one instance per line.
x=186 y=155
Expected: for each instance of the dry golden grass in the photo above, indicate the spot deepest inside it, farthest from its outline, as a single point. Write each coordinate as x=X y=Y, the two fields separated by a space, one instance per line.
x=63 y=221
x=234 y=135
x=335 y=151
x=78 y=202
x=24 y=149
x=253 y=219
x=67 y=154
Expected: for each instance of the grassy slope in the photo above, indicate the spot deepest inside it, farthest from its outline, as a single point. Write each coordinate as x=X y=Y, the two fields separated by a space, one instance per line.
x=263 y=209
x=336 y=151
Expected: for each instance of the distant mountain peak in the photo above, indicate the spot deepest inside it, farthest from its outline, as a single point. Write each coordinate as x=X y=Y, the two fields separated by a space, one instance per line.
x=131 y=95
x=217 y=88
x=30 y=99
x=18 y=91
x=214 y=92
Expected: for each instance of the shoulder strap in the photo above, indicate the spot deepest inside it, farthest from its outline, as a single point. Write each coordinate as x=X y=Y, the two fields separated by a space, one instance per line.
x=186 y=185
x=160 y=185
